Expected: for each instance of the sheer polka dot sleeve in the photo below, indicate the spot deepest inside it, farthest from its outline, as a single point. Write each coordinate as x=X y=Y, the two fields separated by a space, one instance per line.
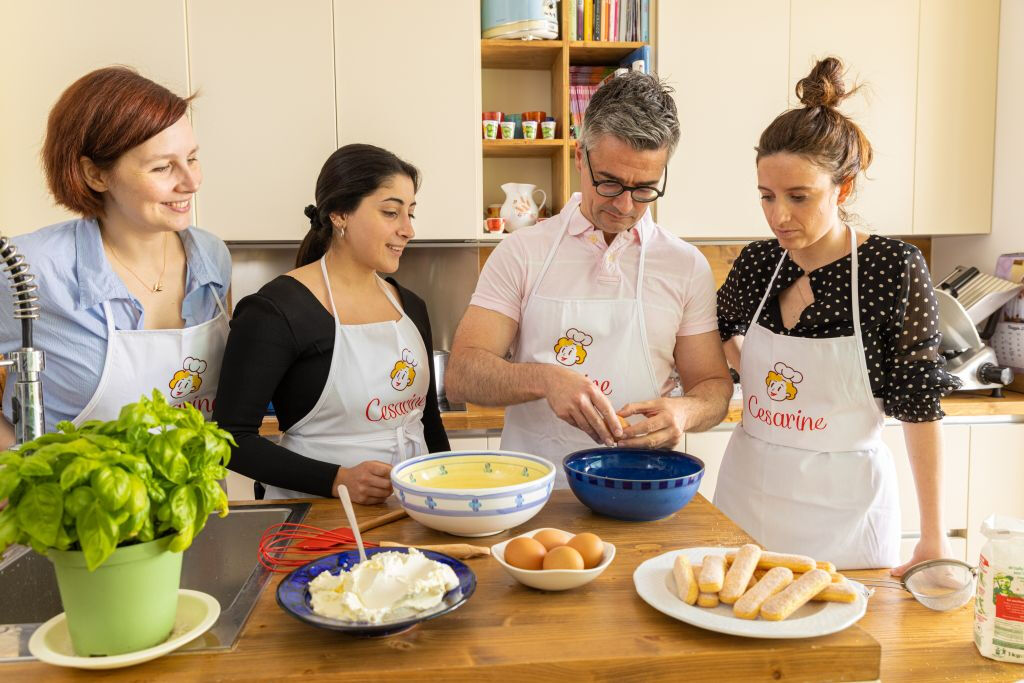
x=915 y=376
x=742 y=290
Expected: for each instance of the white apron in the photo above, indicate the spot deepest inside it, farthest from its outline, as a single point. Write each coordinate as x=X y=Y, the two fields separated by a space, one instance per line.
x=604 y=339
x=371 y=407
x=806 y=471
x=184 y=364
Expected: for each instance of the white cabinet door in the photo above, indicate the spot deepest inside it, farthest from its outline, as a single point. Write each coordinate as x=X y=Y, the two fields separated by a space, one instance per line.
x=956 y=104
x=956 y=444
x=468 y=443
x=408 y=80
x=885 y=107
x=996 y=478
x=265 y=115
x=728 y=63
x=45 y=47
x=709 y=447
x=239 y=487
x=494 y=441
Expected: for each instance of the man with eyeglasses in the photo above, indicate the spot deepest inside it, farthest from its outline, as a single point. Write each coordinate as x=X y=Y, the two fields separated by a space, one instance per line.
x=584 y=317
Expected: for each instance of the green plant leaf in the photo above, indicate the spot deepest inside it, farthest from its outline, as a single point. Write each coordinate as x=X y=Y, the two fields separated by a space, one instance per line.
x=10 y=459
x=9 y=529
x=77 y=471
x=40 y=511
x=9 y=480
x=182 y=540
x=97 y=534
x=35 y=466
x=79 y=499
x=112 y=487
x=183 y=507
x=167 y=458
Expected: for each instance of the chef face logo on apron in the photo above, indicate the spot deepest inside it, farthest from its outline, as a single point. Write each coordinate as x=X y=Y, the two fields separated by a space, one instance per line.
x=569 y=350
x=187 y=380
x=404 y=372
x=781 y=382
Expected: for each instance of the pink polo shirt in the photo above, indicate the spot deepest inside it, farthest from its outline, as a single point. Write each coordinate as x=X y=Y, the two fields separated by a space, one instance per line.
x=679 y=291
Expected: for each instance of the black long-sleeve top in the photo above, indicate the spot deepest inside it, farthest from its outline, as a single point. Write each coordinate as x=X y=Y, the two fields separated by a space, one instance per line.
x=279 y=349
x=898 y=315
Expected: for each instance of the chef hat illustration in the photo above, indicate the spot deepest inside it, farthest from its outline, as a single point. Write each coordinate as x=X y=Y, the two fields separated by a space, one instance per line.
x=581 y=338
x=194 y=365
x=788 y=373
x=407 y=357
x=408 y=363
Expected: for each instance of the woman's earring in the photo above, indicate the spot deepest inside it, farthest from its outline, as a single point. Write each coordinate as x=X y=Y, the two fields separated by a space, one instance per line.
x=340 y=227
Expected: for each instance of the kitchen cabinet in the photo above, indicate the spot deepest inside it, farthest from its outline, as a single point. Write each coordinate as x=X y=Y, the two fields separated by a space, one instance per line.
x=956 y=445
x=729 y=65
x=885 y=108
x=996 y=478
x=265 y=115
x=46 y=46
x=956 y=100
x=407 y=78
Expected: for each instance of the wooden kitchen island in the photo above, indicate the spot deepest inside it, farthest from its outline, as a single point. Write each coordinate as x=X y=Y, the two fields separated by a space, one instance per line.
x=600 y=631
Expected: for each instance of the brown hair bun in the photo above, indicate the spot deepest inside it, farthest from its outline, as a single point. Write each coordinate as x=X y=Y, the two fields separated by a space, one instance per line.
x=824 y=86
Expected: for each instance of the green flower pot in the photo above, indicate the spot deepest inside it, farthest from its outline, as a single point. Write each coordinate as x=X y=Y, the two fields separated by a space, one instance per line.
x=127 y=604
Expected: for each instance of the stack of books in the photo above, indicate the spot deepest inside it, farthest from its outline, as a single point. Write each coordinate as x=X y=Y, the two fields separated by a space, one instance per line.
x=609 y=20
x=585 y=80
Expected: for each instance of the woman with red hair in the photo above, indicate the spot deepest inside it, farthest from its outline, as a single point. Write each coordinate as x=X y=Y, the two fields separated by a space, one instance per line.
x=131 y=294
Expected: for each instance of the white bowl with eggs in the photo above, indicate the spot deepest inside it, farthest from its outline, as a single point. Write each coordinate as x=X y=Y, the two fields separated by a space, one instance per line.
x=552 y=579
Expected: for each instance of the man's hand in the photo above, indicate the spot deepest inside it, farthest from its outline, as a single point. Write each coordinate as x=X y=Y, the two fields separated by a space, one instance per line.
x=368 y=482
x=665 y=424
x=575 y=399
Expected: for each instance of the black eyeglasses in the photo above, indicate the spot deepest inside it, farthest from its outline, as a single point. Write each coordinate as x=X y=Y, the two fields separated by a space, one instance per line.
x=609 y=188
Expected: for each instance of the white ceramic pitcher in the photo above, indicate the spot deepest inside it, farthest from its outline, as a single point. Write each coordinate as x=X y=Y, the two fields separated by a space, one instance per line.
x=519 y=209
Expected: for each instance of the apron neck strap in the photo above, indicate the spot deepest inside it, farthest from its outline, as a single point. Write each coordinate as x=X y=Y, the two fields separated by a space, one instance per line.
x=327 y=283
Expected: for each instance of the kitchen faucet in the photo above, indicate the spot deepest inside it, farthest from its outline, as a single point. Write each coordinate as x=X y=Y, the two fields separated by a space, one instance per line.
x=27 y=362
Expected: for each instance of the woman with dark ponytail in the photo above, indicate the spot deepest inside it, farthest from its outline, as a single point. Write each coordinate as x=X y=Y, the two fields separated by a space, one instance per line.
x=832 y=330
x=344 y=355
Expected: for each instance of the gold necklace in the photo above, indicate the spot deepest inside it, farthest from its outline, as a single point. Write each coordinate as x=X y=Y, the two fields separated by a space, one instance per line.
x=800 y=291
x=159 y=286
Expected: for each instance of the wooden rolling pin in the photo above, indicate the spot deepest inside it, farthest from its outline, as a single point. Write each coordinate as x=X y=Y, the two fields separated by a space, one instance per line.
x=382 y=520
x=460 y=551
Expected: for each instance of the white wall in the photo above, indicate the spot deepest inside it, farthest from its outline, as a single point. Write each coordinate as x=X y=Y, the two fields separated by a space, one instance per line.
x=1007 y=218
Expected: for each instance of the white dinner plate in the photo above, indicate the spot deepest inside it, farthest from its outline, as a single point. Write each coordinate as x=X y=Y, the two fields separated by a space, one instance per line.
x=197 y=612
x=655 y=584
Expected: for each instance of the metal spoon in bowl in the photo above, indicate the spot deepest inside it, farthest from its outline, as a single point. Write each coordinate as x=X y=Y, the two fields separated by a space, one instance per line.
x=346 y=505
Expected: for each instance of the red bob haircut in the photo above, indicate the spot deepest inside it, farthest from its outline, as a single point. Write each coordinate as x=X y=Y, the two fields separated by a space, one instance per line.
x=101 y=116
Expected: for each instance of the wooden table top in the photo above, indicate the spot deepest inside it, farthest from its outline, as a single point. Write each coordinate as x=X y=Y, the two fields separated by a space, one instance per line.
x=600 y=631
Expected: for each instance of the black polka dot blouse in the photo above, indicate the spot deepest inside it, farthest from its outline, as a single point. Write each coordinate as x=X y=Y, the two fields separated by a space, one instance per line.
x=898 y=313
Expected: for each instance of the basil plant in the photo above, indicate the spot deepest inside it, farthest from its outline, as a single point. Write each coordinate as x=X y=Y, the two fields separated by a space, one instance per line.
x=152 y=472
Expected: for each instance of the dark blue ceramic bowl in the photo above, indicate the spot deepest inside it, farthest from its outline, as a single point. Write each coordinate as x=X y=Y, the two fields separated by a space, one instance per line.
x=635 y=484
x=293 y=593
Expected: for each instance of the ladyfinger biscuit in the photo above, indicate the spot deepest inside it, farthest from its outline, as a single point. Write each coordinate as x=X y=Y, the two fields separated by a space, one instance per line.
x=836 y=577
x=738 y=576
x=827 y=566
x=797 y=563
x=712 y=574
x=837 y=592
x=686 y=581
x=781 y=605
x=707 y=600
x=749 y=605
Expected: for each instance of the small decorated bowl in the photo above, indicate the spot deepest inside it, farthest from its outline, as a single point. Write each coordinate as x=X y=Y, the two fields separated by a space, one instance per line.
x=634 y=484
x=473 y=493
x=293 y=594
x=552 y=579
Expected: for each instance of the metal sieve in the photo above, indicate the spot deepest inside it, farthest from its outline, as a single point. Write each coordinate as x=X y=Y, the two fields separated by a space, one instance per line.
x=940 y=585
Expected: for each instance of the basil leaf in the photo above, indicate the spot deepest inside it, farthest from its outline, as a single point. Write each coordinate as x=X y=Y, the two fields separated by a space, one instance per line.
x=167 y=459
x=35 y=466
x=183 y=507
x=9 y=529
x=97 y=534
x=112 y=487
x=40 y=511
x=79 y=499
x=137 y=497
x=146 y=533
x=77 y=471
x=9 y=480
x=10 y=459
x=182 y=540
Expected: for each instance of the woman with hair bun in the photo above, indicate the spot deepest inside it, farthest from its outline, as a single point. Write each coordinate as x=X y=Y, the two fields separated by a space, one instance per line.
x=130 y=292
x=832 y=330
x=344 y=355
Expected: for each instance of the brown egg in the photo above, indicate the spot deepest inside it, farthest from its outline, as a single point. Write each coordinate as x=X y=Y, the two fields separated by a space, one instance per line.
x=589 y=546
x=525 y=553
x=563 y=557
x=552 y=538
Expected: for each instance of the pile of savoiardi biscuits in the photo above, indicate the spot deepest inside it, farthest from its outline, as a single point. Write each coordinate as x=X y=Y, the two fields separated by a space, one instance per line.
x=759 y=583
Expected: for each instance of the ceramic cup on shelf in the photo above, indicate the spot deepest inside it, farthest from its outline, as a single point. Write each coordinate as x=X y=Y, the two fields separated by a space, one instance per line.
x=495 y=225
x=493 y=210
x=547 y=128
x=530 y=130
x=508 y=130
x=491 y=129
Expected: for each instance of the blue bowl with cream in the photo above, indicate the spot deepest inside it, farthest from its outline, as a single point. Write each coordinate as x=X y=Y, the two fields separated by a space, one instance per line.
x=634 y=484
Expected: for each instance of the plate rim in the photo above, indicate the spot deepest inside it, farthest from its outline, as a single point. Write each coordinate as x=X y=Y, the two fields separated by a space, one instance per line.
x=367 y=628
x=856 y=610
x=38 y=649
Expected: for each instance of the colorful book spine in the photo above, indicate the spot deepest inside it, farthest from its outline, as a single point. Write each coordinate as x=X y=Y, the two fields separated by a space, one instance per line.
x=588 y=19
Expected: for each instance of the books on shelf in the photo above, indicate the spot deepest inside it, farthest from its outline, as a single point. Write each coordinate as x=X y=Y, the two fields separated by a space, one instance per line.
x=585 y=80
x=609 y=20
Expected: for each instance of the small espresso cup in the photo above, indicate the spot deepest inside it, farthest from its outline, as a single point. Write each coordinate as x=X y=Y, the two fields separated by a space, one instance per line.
x=530 y=130
x=491 y=129
x=495 y=225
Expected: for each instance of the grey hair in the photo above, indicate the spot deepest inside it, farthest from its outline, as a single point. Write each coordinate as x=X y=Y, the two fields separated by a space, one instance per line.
x=635 y=107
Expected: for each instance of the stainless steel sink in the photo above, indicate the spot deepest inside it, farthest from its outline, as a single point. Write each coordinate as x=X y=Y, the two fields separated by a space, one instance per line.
x=222 y=562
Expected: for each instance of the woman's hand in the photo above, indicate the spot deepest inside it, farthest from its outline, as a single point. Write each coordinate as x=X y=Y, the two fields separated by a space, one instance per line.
x=368 y=482
x=663 y=428
x=926 y=549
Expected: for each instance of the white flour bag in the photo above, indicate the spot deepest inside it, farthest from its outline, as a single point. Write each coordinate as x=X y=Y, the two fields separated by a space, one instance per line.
x=999 y=606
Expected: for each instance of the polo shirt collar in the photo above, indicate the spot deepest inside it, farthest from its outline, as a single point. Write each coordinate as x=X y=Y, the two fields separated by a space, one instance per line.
x=578 y=224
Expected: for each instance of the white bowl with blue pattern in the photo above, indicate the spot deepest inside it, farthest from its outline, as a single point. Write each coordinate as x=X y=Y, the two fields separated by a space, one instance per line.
x=473 y=493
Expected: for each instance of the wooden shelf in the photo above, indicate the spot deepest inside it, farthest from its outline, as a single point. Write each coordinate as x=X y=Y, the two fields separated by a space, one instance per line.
x=592 y=52
x=519 y=54
x=522 y=148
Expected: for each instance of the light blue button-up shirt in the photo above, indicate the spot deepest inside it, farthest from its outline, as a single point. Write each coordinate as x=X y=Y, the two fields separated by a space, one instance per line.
x=74 y=279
